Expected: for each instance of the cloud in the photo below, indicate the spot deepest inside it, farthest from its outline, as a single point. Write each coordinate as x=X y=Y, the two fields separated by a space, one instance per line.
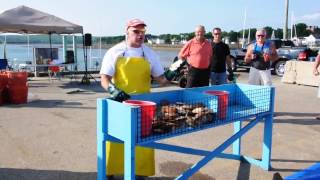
x=309 y=17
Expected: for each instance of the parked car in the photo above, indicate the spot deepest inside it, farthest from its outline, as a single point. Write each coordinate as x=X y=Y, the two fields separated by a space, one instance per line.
x=286 y=51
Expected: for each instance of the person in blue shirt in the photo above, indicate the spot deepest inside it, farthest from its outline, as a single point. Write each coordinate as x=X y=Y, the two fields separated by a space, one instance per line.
x=260 y=55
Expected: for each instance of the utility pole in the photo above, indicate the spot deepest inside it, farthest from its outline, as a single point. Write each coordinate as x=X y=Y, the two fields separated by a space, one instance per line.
x=285 y=29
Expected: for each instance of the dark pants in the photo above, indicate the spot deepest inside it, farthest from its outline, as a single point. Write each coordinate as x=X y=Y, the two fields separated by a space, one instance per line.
x=198 y=77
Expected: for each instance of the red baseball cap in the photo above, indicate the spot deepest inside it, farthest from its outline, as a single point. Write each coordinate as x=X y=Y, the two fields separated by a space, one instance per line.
x=134 y=23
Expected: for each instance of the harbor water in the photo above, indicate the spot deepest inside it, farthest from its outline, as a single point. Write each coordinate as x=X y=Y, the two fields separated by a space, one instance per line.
x=22 y=54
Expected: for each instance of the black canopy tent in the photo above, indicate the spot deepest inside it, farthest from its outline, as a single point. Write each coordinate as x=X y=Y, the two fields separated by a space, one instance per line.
x=23 y=19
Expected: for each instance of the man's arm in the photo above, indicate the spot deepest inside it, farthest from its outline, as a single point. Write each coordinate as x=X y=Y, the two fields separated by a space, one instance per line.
x=115 y=93
x=249 y=55
x=229 y=69
x=105 y=81
x=162 y=80
x=316 y=65
x=229 y=62
x=185 y=51
x=273 y=56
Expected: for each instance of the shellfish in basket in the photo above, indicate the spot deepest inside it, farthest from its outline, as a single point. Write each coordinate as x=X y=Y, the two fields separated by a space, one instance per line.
x=171 y=117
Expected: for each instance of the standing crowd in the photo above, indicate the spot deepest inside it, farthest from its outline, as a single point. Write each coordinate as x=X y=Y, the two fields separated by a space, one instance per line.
x=210 y=60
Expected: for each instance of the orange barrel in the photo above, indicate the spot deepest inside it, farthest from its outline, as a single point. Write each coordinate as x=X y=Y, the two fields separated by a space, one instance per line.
x=18 y=94
x=148 y=110
x=17 y=78
x=3 y=85
x=223 y=98
x=5 y=95
x=3 y=79
x=1 y=99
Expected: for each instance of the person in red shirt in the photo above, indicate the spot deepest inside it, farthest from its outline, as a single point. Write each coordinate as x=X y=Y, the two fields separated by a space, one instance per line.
x=197 y=52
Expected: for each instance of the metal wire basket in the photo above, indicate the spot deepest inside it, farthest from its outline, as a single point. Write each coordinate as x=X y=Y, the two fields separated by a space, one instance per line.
x=179 y=112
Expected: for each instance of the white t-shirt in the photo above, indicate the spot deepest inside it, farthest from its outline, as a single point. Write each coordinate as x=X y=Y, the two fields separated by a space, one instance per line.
x=121 y=49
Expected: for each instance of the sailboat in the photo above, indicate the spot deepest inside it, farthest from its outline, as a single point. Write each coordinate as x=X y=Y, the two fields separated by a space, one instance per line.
x=294 y=38
x=293 y=27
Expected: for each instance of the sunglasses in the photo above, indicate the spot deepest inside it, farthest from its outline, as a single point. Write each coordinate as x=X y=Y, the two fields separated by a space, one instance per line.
x=260 y=35
x=216 y=33
x=137 y=31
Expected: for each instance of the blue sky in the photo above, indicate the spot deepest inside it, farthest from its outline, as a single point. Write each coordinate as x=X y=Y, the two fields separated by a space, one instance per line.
x=108 y=17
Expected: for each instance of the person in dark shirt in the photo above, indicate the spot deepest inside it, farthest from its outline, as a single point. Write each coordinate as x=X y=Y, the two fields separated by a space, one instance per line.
x=220 y=57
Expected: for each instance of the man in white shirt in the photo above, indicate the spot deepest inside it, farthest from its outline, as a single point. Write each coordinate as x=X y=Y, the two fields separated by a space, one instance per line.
x=127 y=69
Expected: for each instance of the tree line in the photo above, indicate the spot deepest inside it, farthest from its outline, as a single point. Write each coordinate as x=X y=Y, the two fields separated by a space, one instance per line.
x=301 y=30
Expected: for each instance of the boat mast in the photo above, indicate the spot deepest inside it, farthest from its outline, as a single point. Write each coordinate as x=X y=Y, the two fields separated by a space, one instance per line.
x=244 y=27
x=285 y=29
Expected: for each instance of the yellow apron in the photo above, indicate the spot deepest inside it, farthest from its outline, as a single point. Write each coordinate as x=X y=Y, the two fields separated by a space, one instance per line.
x=133 y=75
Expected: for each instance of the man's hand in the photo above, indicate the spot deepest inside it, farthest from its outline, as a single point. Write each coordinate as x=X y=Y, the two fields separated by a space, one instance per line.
x=266 y=57
x=253 y=56
x=169 y=75
x=120 y=96
x=230 y=75
x=117 y=94
x=316 y=72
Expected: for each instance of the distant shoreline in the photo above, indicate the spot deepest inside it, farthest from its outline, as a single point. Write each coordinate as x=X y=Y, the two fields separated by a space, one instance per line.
x=168 y=47
x=163 y=47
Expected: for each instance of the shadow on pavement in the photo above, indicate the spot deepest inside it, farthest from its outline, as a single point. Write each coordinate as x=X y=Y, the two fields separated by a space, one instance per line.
x=92 y=87
x=309 y=118
x=298 y=121
x=54 y=103
x=244 y=171
x=294 y=114
x=293 y=161
x=31 y=174
x=175 y=168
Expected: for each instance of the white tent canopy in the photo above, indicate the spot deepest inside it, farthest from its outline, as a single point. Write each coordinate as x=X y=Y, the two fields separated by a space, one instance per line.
x=23 y=19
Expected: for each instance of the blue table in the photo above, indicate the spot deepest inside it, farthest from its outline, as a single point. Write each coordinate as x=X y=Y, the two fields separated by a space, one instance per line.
x=120 y=122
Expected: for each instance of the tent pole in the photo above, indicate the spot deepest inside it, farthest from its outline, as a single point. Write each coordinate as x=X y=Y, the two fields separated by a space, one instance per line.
x=84 y=53
x=90 y=65
x=64 y=48
x=28 y=46
x=75 y=52
x=100 y=44
x=5 y=47
x=50 y=46
x=86 y=78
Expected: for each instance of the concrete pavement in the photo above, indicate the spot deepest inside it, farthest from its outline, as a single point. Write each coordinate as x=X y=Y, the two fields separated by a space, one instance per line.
x=54 y=137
